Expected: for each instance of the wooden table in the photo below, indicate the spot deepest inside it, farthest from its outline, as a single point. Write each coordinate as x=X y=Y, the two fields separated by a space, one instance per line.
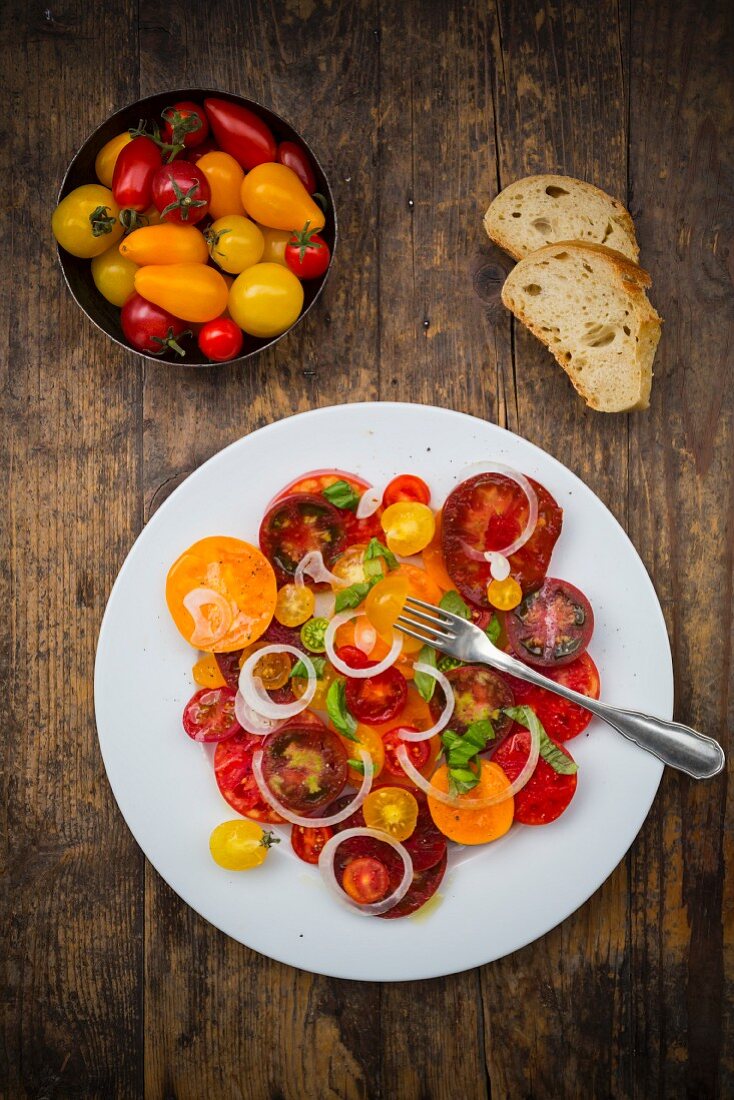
x=421 y=111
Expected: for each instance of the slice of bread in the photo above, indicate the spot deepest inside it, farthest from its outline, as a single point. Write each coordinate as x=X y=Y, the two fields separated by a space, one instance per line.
x=588 y=305
x=541 y=210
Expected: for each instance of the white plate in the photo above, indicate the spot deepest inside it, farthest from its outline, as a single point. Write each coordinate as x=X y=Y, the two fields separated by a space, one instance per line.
x=508 y=893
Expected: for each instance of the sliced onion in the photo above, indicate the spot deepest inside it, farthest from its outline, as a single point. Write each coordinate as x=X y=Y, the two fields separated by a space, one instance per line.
x=358 y=673
x=375 y=908
x=461 y=801
x=251 y=721
x=365 y=636
x=313 y=566
x=448 y=710
x=369 y=502
x=499 y=566
x=203 y=635
x=532 y=499
x=255 y=694
x=313 y=822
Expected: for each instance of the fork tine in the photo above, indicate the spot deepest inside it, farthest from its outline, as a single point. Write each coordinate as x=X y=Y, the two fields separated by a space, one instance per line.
x=429 y=633
x=416 y=614
x=437 y=642
x=438 y=614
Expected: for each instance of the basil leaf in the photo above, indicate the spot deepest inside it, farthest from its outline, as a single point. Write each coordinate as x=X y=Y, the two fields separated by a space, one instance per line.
x=348 y=598
x=357 y=765
x=299 y=669
x=479 y=733
x=376 y=550
x=550 y=752
x=453 y=602
x=336 y=706
x=494 y=630
x=341 y=495
x=425 y=683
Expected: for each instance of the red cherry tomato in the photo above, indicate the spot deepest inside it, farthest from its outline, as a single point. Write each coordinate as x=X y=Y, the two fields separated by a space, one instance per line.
x=220 y=339
x=418 y=751
x=308 y=843
x=209 y=145
x=151 y=329
x=297 y=159
x=307 y=254
x=209 y=715
x=377 y=699
x=135 y=167
x=185 y=123
x=352 y=656
x=181 y=193
x=366 y=880
x=241 y=133
x=407 y=488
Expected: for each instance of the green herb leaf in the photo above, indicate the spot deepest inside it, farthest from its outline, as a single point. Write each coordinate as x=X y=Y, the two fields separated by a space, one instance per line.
x=462 y=780
x=299 y=669
x=494 y=630
x=549 y=751
x=348 y=598
x=375 y=550
x=341 y=495
x=453 y=602
x=338 y=711
x=356 y=765
x=461 y=752
x=425 y=683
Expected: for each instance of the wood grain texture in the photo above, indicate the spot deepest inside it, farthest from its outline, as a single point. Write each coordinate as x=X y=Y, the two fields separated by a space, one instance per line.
x=420 y=112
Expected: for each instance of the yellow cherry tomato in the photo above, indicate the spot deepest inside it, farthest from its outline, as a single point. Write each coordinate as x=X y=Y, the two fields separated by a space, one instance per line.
x=385 y=602
x=273 y=195
x=206 y=672
x=275 y=241
x=265 y=300
x=240 y=845
x=369 y=740
x=165 y=244
x=408 y=527
x=294 y=605
x=114 y=276
x=300 y=683
x=350 y=566
x=85 y=222
x=224 y=177
x=274 y=670
x=504 y=595
x=106 y=159
x=394 y=810
x=235 y=243
x=193 y=292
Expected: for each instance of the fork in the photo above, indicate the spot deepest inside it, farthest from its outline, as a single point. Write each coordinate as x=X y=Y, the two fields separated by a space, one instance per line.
x=675 y=744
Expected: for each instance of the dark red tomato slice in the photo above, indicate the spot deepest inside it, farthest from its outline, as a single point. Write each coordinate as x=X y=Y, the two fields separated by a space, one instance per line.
x=296 y=525
x=354 y=821
x=479 y=693
x=304 y=766
x=418 y=751
x=229 y=666
x=422 y=888
x=233 y=773
x=562 y=720
x=277 y=634
x=547 y=794
x=426 y=845
x=358 y=848
x=552 y=626
x=378 y=698
x=488 y=512
x=362 y=530
x=209 y=715
x=408 y=488
x=308 y=844
x=353 y=657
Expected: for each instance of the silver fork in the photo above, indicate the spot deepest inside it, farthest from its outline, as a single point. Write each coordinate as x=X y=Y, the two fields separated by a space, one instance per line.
x=679 y=746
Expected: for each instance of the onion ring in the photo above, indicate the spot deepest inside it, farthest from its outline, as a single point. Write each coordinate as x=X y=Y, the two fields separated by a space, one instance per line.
x=369 y=502
x=252 y=722
x=313 y=565
x=448 y=710
x=313 y=822
x=347 y=670
x=203 y=635
x=532 y=499
x=255 y=694
x=375 y=908
x=365 y=636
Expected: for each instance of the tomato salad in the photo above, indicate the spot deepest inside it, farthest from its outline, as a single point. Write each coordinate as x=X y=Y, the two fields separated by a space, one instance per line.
x=376 y=752
x=201 y=227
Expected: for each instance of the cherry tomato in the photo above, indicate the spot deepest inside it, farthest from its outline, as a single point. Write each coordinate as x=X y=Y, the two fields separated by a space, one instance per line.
x=235 y=243
x=165 y=244
x=209 y=145
x=297 y=159
x=104 y=163
x=309 y=843
x=209 y=715
x=85 y=222
x=295 y=604
x=274 y=670
x=418 y=751
x=225 y=177
x=552 y=626
x=135 y=167
x=114 y=276
x=181 y=193
x=366 y=880
x=307 y=254
x=193 y=292
x=240 y=845
x=275 y=241
x=369 y=740
x=377 y=699
x=241 y=133
x=273 y=195
x=184 y=125
x=206 y=672
x=505 y=594
x=409 y=527
x=350 y=566
x=385 y=602
x=265 y=300
x=394 y=810
x=323 y=683
x=407 y=488
x=220 y=339
x=151 y=329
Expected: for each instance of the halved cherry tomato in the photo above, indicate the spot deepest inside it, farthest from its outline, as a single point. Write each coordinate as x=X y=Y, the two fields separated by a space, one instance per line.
x=304 y=767
x=209 y=715
x=385 y=602
x=185 y=124
x=273 y=195
x=241 y=133
x=135 y=167
x=220 y=339
x=393 y=810
x=309 y=843
x=149 y=328
x=377 y=699
x=85 y=222
x=552 y=626
x=352 y=656
x=406 y=488
x=274 y=669
x=225 y=177
x=165 y=244
x=349 y=566
x=104 y=163
x=193 y=292
x=467 y=826
x=240 y=845
x=265 y=300
x=307 y=254
x=408 y=528
x=297 y=159
x=366 y=880
x=369 y=740
x=419 y=752
x=547 y=793
x=181 y=193
x=114 y=276
x=235 y=243
x=206 y=672
x=294 y=605
x=561 y=720
x=276 y=241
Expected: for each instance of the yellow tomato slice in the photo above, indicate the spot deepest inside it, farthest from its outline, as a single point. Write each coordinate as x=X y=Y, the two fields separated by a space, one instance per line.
x=394 y=810
x=409 y=527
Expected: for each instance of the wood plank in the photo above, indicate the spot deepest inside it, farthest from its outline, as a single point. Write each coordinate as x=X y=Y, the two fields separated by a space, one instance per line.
x=72 y=898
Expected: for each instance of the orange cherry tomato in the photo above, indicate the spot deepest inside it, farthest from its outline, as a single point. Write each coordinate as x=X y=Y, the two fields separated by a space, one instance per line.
x=274 y=196
x=504 y=595
x=224 y=177
x=434 y=561
x=467 y=826
x=366 y=880
x=406 y=487
x=104 y=162
x=295 y=604
x=206 y=672
x=394 y=810
x=221 y=593
x=193 y=292
x=369 y=740
x=165 y=244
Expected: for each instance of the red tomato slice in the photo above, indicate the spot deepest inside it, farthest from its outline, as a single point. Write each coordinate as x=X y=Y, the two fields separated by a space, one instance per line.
x=367 y=848
x=366 y=880
x=353 y=657
x=406 y=487
x=305 y=766
x=479 y=693
x=315 y=481
x=423 y=887
x=309 y=843
x=488 y=512
x=547 y=794
x=418 y=751
x=209 y=715
x=552 y=626
x=378 y=698
x=233 y=773
x=354 y=821
x=562 y=720
x=297 y=524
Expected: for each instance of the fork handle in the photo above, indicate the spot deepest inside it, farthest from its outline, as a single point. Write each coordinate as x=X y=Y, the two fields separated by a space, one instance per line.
x=677 y=745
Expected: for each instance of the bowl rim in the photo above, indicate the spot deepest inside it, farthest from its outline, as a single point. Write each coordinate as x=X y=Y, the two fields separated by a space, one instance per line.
x=192 y=93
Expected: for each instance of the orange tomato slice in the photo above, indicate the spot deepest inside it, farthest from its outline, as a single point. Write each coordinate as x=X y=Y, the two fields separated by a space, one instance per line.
x=434 y=562
x=221 y=593
x=467 y=826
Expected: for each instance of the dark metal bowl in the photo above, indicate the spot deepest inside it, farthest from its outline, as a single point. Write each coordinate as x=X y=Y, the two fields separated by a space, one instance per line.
x=78 y=273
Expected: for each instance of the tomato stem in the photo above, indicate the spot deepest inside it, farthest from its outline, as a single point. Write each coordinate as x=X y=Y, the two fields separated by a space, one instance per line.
x=131 y=220
x=269 y=839
x=101 y=221
x=184 y=200
x=171 y=342
x=181 y=125
x=305 y=239
x=212 y=235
